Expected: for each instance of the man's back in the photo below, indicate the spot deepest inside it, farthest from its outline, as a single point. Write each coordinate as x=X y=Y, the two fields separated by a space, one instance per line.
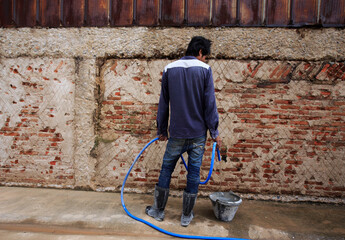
x=188 y=85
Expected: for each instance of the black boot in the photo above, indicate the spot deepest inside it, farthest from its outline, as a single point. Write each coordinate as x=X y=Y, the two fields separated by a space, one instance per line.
x=189 y=200
x=160 y=200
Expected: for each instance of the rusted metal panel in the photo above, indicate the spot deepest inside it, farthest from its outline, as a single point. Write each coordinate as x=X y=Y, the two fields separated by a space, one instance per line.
x=198 y=12
x=304 y=12
x=6 y=13
x=22 y=13
x=250 y=12
x=49 y=13
x=147 y=12
x=73 y=13
x=97 y=13
x=333 y=13
x=25 y=13
x=172 y=12
x=277 y=13
x=121 y=12
x=224 y=12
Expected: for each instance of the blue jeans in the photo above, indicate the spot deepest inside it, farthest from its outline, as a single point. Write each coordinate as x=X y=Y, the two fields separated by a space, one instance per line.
x=195 y=148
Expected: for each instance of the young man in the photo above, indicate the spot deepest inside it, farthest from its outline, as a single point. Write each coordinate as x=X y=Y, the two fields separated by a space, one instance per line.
x=187 y=85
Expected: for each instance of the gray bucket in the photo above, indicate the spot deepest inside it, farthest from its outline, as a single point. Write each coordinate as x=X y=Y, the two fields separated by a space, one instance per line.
x=225 y=205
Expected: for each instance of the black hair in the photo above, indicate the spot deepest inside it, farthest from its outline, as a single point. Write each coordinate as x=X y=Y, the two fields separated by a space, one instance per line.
x=198 y=43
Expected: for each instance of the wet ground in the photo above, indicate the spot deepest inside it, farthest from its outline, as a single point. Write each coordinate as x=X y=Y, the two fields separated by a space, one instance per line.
x=33 y=213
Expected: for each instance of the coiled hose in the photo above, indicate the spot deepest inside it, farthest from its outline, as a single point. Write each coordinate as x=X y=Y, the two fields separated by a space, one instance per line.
x=158 y=228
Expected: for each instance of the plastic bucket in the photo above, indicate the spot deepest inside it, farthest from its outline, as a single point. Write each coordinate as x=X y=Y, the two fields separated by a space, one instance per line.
x=225 y=205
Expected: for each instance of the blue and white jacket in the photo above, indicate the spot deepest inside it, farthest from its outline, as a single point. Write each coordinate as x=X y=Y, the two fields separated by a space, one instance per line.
x=187 y=84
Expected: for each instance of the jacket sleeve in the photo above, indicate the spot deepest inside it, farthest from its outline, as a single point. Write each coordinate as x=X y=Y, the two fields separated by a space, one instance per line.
x=211 y=112
x=163 y=107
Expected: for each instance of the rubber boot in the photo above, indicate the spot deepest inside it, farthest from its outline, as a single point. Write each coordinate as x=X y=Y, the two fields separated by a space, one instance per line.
x=160 y=200
x=189 y=200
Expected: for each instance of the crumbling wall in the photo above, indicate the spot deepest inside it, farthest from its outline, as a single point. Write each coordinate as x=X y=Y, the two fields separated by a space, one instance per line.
x=37 y=120
x=77 y=106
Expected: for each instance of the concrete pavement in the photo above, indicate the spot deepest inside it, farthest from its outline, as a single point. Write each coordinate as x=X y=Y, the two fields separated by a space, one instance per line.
x=37 y=213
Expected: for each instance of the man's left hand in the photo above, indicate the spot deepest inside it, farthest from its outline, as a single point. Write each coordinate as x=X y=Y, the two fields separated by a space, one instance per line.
x=218 y=141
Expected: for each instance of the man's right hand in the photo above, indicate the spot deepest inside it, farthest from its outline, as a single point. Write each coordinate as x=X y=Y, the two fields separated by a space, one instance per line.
x=162 y=138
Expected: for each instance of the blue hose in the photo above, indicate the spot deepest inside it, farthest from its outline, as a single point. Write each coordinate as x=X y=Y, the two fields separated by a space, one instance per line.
x=154 y=226
x=212 y=163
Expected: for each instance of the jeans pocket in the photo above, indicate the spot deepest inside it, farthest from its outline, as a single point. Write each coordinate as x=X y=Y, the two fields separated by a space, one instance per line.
x=174 y=147
x=198 y=148
x=199 y=144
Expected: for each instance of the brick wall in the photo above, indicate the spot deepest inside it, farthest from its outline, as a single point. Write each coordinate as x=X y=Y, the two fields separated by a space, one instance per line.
x=36 y=120
x=75 y=116
x=282 y=123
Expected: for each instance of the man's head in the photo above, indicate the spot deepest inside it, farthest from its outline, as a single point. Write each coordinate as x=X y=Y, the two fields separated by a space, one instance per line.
x=199 y=47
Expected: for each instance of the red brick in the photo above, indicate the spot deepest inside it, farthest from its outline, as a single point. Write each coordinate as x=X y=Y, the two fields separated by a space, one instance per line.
x=256 y=111
x=269 y=116
x=114 y=117
x=243 y=145
x=242 y=155
x=250 y=180
x=11 y=134
x=338 y=113
x=281 y=116
x=342 y=189
x=299 y=122
x=56 y=139
x=127 y=103
x=45 y=135
x=245 y=115
x=248 y=96
x=247 y=105
x=289 y=107
x=294 y=162
x=338 y=103
x=234 y=150
x=29 y=152
x=266 y=126
x=337 y=124
x=312 y=182
x=108 y=102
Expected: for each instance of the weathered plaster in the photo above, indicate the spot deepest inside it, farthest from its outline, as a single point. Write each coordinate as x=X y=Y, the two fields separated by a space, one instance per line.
x=143 y=42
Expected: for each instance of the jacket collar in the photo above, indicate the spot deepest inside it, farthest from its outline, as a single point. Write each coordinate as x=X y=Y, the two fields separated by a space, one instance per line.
x=188 y=58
